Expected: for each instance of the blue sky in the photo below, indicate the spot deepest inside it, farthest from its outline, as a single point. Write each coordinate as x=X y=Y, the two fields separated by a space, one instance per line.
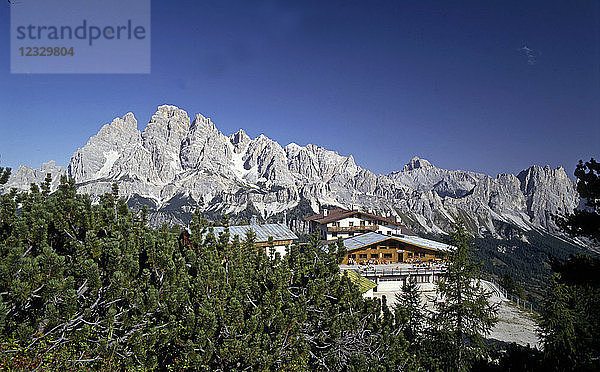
x=487 y=86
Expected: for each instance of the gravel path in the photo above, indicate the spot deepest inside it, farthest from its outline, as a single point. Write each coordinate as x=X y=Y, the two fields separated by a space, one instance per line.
x=514 y=324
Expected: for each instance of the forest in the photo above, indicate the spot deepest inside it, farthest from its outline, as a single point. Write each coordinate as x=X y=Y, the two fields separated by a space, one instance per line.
x=90 y=286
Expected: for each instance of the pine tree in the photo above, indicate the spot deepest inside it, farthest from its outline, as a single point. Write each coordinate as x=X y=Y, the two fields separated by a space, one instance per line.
x=463 y=316
x=512 y=287
x=557 y=326
x=88 y=286
x=410 y=311
x=585 y=222
x=410 y=318
x=570 y=327
x=45 y=186
x=4 y=175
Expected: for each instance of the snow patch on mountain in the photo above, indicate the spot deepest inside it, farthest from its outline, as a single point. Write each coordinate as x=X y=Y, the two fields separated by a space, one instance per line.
x=111 y=157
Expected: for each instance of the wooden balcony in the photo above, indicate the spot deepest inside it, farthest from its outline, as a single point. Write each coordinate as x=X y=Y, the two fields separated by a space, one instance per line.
x=352 y=228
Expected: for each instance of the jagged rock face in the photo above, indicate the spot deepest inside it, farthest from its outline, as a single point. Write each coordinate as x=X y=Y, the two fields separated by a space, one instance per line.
x=547 y=192
x=416 y=163
x=267 y=164
x=116 y=153
x=25 y=176
x=98 y=157
x=176 y=167
x=205 y=147
x=162 y=138
x=240 y=141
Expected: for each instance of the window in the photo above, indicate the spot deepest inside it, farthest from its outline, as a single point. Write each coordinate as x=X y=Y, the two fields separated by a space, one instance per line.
x=351 y=223
x=389 y=233
x=422 y=254
x=334 y=234
x=351 y=234
x=362 y=223
x=362 y=256
x=409 y=254
x=374 y=255
x=387 y=255
x=353 y=256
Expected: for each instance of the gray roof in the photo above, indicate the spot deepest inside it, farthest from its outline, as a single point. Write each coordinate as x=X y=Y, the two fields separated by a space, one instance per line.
x=374 y=237
x=263 y=232
x=364 y=239
x=426 y=243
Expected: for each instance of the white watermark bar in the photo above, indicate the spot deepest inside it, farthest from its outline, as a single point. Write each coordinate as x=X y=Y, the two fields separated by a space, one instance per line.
x=80 y=36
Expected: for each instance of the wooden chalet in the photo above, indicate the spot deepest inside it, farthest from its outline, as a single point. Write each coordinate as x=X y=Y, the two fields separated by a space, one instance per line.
x=377 y=248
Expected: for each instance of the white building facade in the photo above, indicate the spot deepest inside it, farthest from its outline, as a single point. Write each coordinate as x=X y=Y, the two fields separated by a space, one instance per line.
x=343 y=223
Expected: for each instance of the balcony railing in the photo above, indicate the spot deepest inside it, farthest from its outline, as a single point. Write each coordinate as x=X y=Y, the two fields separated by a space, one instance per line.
x=352 y=228
x=369 y=272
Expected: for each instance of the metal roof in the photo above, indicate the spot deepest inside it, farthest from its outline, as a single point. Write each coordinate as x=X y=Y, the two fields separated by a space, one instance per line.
x=426 y=243
x=364 y=239
x=374 y=237
x=263 y=232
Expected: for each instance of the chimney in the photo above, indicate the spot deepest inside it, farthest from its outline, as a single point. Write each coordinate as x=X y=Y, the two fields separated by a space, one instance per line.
x=325 y=211
x=253 y=220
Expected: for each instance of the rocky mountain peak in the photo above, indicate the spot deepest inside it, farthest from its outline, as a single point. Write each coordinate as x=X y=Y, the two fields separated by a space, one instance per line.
x=548 y=192
x=293 y=146
x=239 y=137
x=239 y=140
x=168 y=119
x=162 y=138
x=204 y=123
x=172 y=114
x=120 y=129
x=417 y=163
x=50 y=166
x=24 y=176
x=96 y=159
x=176 y=167
x=128 y=123
x=535 y=175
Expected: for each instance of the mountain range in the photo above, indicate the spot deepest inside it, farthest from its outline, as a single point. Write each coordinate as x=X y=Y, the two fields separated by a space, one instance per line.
x=177 y=165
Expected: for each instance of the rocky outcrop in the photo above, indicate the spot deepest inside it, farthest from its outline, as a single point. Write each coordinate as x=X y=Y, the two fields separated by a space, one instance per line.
x=163 y=138
x=24 y=176
x=547 y=192
x=176 y=167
